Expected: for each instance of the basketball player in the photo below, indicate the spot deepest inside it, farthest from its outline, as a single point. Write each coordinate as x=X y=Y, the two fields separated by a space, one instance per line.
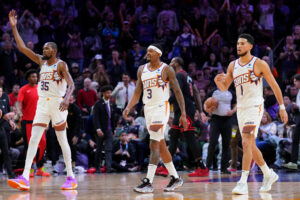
x=191 y=99
x=247 y=73
x=155 y=79
x=52 y=105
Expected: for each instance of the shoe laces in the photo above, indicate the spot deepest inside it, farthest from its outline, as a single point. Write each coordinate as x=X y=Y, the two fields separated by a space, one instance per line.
x=145 y=183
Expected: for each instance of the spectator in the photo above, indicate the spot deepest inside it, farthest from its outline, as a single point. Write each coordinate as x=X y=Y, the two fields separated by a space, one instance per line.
x=212 y=63
x=92 y=44
x=123 y=92
x=100 y=76
x=167 y=18
x=123 y=155
x=145 y=31
x=115 y=67
x=185 y=42
x=296 y=134
x=135 y=58
x=96 y=61
x=200 y=82
x=14 y=95
x=6 y=124
x=86 y=97
x=104 y=121
x=271 y=104
x=75 y=50
x=29 y=25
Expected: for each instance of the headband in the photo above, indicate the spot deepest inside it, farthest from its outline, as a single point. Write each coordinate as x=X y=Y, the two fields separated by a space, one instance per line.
x=155 y=49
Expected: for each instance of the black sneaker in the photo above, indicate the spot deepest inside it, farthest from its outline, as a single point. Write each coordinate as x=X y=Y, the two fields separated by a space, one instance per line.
x=225 y=171
x=145 y=187
x=173 y=184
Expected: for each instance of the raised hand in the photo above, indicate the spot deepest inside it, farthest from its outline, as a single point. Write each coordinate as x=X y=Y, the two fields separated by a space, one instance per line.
x=12 y=18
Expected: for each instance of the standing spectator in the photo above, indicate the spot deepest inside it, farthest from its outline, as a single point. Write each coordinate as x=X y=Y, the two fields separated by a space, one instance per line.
x=24 y=62
x=29 y=25
x=123 y=92
x=135 y=58
x=145 y=31
x=185 y=42
x=14 y=95
x=104 y=122
x=75 y=50
x=115 y=67
x=123 y=154
x=26 y=106
x=167 y=18
x=73 y=131
x=7 y=59
x=100 y=76
x=296 y=134
x=86 y=97
x=92 y=43
x=146 y=7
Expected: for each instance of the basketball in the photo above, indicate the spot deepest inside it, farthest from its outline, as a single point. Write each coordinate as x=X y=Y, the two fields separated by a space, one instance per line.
x=211 y=104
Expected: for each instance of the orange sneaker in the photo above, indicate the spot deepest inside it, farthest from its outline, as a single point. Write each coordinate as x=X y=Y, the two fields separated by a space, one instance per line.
x=19 y=183
x=199 y=172
x=42 y=172
x=31 y=173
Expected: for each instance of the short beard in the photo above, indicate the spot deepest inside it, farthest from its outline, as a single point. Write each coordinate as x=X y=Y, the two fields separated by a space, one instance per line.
x=242 y=54
x=44 y=57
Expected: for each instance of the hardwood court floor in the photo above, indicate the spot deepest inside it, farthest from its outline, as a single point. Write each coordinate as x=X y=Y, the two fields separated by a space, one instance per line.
x=119 y=186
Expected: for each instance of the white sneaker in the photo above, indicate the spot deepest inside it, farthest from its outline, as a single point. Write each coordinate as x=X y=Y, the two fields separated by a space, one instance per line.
x=291 y=165
x=268 y=181
x=240 y=188
x=265 y=196
x=240 y=197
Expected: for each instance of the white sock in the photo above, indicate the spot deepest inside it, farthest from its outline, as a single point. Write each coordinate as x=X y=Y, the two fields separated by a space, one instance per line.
x=170 y=167
x=36 y=135
x=65 y=147
x=151 y=172
x=244 y=176
x=266 y=170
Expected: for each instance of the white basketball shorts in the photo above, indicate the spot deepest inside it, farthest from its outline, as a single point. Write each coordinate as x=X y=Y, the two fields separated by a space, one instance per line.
x=48 y=109
x=249 y=119
x=157 y=115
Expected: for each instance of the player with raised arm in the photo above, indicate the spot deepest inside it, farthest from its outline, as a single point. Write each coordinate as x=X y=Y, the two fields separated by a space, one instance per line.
x=55 y=88
x=247 y=73
x=154 y=80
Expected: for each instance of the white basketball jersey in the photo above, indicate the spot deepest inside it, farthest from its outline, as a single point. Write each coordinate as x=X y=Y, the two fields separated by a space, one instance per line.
x=51 y=83
x=156 y=89
x=249 y=87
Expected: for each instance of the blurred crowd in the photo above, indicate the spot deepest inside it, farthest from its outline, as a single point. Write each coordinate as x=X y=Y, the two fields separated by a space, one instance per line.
x=104 y=43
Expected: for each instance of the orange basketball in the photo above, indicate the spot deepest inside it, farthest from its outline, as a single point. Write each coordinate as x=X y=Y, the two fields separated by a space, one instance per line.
x=211 y=104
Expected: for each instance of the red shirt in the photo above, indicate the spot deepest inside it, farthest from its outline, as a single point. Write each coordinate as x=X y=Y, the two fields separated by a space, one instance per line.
x=12 y=99
x=86 y=98
x=28 y=96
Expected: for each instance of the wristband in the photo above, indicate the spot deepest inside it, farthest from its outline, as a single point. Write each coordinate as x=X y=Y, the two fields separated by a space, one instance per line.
x=281 y=107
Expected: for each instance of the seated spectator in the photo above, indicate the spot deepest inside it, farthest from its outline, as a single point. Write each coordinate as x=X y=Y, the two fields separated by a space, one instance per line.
x=200 y=82
x=86 y=97
x=123 y=155
x=96 y=61
x=14 y=95
x=212 y=63
x=271 y=104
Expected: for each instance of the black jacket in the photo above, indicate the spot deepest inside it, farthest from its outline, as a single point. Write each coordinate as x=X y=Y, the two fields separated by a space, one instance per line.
x=101 y=116
x=74 y=120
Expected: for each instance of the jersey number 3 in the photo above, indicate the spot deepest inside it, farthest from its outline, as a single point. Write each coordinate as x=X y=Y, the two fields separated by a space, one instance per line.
x=149 y=95
x=44 y=85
